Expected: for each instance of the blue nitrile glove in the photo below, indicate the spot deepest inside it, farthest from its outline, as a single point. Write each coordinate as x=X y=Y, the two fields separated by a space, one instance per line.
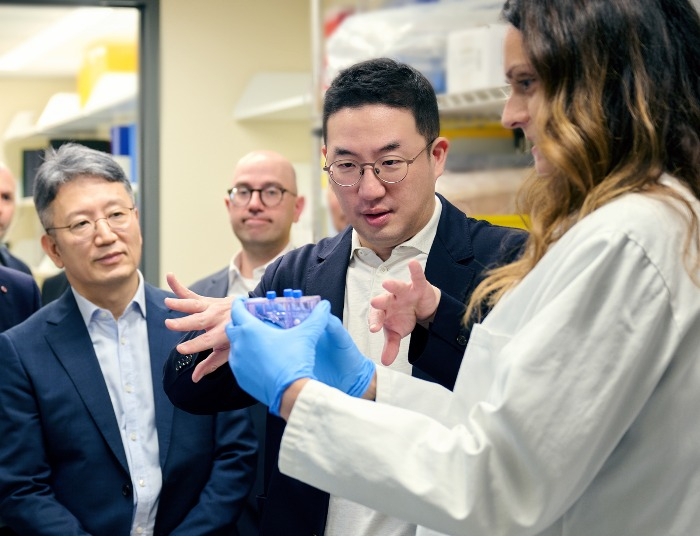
x=339 y=363
x=266 y=359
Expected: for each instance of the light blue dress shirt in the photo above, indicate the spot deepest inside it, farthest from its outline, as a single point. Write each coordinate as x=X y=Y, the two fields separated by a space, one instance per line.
x=122 y=351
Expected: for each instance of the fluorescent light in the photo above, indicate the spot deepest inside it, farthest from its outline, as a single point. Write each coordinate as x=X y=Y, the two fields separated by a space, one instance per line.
x=48 y=39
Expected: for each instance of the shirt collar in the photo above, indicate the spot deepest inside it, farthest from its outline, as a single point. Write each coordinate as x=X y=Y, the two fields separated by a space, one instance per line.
x=88 y=310
x=235 y=272
x=421 y=241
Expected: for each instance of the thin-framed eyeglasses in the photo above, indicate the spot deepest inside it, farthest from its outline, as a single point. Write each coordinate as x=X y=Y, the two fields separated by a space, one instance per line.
x=389 y=169
x=118 y=219
x=270 y=196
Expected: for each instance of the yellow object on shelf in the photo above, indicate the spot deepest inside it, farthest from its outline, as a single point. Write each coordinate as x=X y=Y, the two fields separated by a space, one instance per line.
x=520 y=221
x=102 y=58
x=474 y=129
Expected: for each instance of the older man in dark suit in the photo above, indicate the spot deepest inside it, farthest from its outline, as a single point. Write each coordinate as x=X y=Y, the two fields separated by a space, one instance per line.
x=262 y=205
x=91 y=444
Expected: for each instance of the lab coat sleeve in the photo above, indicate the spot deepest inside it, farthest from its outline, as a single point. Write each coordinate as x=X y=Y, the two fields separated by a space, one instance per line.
x=547 y=388
x=402 y=390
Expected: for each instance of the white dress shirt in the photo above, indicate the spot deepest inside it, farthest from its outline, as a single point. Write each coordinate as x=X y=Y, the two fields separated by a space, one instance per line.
x=124 y=357
x=364 y=278
x=575 y=408
x=242 y=286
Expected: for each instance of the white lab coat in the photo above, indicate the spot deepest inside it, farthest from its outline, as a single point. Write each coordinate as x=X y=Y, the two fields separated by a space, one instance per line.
x=574 y=412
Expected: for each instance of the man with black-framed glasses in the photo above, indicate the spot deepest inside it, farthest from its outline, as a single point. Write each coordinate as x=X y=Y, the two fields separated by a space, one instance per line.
x=383 y=154
x=263 y=203
x=91 y=444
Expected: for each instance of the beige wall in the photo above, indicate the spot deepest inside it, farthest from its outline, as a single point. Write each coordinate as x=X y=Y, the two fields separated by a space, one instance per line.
x=209 y=51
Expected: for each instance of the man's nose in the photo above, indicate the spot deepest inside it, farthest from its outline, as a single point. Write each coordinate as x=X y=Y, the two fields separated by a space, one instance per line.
x=371 y=187
x=256 y=201
x=103 y=229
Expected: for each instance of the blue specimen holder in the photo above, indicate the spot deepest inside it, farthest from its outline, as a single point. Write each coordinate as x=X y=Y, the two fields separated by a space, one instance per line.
x=287 y=311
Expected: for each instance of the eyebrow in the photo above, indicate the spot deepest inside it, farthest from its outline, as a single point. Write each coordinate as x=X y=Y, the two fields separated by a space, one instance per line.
x=91 y=211
x=341 y=151
x=514 y=71
x=245 y=184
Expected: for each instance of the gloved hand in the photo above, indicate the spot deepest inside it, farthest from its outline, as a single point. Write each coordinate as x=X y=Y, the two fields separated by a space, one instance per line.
x=339 y=363
x=266 y=359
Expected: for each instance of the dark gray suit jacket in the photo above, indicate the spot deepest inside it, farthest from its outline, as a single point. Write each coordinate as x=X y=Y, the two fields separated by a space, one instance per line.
x=216 y=286
x=53 y=287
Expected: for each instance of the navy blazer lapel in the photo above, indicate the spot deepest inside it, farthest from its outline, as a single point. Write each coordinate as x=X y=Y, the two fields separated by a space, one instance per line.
x=161 y=341
x=448 y=266
x=327 y=277
x=70 y=341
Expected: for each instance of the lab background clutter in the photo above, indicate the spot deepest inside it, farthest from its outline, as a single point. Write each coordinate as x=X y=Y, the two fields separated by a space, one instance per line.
x=260 y=86
x=224 y=78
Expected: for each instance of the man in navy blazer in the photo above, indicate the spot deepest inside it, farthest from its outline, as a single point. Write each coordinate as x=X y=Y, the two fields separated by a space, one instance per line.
x=19 y=297
x=383 y=155
x=8 y=195
x=90 y=442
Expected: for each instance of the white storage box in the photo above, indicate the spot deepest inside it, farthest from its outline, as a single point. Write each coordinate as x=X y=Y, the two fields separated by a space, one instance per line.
x=475 y=58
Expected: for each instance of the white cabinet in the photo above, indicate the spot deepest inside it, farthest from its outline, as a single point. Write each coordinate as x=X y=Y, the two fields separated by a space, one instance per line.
x=278 y=96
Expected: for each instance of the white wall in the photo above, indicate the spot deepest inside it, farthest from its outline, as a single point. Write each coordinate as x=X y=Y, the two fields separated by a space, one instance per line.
x=209 y=51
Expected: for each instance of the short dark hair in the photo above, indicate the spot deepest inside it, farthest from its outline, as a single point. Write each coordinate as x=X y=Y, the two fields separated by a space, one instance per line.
x=68 y=162
x=386 y=82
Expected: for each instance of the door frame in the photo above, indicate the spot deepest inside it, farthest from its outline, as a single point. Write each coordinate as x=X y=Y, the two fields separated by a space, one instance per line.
x=148 y=127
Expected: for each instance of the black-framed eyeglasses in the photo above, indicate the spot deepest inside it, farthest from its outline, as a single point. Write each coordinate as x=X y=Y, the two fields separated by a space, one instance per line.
x=118 y=219
x=270 y=196
x=389 y=169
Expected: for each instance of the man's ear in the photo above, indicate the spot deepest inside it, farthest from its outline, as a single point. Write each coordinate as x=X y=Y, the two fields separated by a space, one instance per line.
x=299 y=204
x=438 y=152
x=50 y=247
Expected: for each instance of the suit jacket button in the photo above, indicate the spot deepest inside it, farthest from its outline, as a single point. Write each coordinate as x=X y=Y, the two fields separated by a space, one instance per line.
x=126 y=490
x=462 y=340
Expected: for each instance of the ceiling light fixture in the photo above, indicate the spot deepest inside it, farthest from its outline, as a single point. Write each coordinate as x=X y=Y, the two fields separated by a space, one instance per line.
x=48 y=39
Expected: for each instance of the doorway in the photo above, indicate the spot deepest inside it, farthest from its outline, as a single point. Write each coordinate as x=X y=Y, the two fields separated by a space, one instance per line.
x=147 y=116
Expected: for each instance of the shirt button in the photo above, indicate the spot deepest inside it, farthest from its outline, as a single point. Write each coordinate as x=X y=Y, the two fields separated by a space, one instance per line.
x=132 y=436
x=382 y=269
x=139 y=530
x=129 y=388
x=142 y=483
x=122 y=341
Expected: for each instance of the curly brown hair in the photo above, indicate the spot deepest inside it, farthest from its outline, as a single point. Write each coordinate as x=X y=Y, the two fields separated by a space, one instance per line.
x=621 y=106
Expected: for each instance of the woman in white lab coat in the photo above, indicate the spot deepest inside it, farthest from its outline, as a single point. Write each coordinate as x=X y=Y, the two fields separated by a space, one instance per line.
x=574 y=412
